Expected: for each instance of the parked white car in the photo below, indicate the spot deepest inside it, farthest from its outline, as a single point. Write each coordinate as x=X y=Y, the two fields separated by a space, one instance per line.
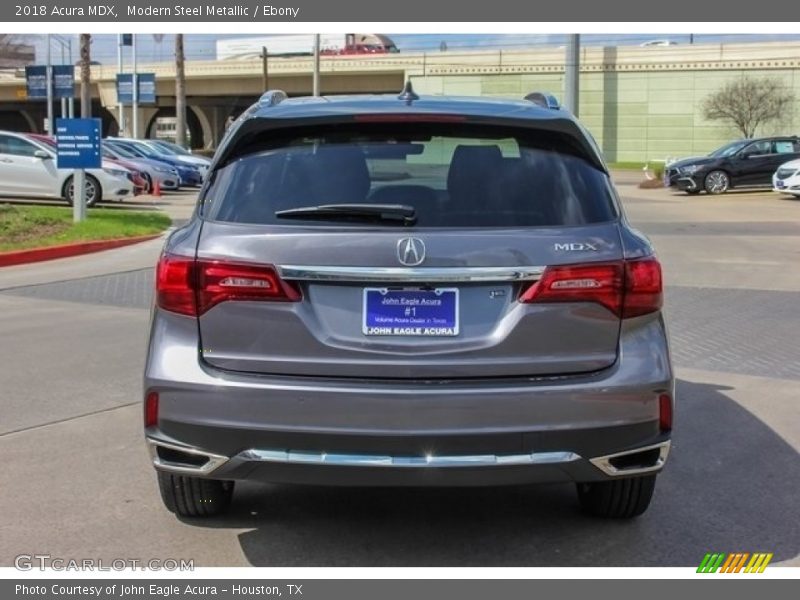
x=786 y=179
x=28 y=169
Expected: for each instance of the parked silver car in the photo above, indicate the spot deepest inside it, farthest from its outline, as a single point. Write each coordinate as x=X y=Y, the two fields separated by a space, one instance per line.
x=154 y=172
x=381 y=290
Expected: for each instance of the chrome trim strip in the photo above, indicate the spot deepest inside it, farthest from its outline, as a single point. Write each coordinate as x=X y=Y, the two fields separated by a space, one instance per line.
x=214 y=461
x=603 y=462
x=379 y=460
x=411 y=274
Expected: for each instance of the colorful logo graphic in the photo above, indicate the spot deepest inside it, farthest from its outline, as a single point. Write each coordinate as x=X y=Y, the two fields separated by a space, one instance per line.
x=735 y=562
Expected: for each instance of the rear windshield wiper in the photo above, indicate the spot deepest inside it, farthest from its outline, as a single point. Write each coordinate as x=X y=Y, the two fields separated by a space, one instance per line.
x=400 y=214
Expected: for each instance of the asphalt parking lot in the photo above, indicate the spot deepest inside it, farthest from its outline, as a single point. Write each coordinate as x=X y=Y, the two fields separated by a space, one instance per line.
x=77 y=481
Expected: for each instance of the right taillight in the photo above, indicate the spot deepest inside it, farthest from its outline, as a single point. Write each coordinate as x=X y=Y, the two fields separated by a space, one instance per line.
x=627 y=288
x=192 y=286
x=644 y=291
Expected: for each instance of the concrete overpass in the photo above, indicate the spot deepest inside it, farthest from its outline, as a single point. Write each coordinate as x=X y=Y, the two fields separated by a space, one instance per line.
x=637 y=101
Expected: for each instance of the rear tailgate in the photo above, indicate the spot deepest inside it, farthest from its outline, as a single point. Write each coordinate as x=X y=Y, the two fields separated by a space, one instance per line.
x=326 y=332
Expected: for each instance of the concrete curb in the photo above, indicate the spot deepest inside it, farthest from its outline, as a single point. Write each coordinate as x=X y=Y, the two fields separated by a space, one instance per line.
x=31 y=255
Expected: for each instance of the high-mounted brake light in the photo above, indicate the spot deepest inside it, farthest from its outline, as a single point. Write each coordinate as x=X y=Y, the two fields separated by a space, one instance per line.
x=409 y=118
x=627 y=288
x=192 y=287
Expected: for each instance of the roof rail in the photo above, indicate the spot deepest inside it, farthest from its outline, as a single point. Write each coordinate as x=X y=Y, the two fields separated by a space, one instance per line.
x=272 y=97
x=544 y=99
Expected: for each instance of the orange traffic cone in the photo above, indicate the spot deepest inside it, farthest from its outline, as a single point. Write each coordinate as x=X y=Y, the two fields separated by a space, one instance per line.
x=156 y=190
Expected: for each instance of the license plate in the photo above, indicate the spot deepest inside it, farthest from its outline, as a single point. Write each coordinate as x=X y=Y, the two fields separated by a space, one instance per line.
x=410 y=312
x=780 y=184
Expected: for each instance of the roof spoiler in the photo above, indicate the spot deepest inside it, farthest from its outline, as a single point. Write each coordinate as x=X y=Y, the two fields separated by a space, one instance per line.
x=544 y=99
x=272 y=97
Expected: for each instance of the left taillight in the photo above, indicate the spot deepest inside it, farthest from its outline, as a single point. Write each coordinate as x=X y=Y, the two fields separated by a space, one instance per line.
x=192 y=287
x=175 y=284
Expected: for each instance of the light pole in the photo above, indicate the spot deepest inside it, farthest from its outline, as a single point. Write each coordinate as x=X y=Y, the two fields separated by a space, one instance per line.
x=120 y=107
x=65 y=43
x=315 y=85
x=572 y=74
x=134 y=81
x=49 y=75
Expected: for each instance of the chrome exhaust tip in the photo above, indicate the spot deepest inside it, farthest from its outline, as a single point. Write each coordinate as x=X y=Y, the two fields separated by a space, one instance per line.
x=183 y=459
x=633 y=462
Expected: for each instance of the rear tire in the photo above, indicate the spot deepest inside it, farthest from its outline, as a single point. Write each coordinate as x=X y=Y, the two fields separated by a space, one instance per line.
x=194 y=496
x=617 y=499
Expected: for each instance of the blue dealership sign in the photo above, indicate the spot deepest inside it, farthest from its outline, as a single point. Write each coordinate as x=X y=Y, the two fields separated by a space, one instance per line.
x=78 y=143
x=63 y=81
x=146 y=84
x=36 y=81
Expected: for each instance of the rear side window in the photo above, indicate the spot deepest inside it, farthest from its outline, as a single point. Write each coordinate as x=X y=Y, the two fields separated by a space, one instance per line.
x=786 y=147
x=451 y=178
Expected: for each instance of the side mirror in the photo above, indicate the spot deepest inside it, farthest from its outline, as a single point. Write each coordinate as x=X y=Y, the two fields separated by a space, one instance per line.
x=42 y=154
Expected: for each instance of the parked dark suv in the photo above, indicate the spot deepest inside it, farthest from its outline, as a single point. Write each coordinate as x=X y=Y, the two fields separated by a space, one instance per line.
x=743 y=163
x=383 y=290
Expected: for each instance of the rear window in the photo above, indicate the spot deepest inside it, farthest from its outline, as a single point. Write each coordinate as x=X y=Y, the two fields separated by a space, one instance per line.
x=452 y=176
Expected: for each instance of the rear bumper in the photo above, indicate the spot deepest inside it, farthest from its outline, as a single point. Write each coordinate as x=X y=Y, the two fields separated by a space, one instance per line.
x=193 y=179
x=340 y=469
x=372 y=432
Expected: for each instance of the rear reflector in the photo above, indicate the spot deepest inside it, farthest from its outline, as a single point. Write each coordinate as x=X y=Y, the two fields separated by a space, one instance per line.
x=626 y=288
x=191 y=287
x=665 y=412
x=151 y=409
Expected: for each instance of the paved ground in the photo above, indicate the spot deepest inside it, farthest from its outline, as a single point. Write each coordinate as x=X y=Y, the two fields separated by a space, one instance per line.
x=75 y=333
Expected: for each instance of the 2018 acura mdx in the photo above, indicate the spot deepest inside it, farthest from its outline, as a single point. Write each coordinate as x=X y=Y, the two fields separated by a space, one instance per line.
x=408 y=291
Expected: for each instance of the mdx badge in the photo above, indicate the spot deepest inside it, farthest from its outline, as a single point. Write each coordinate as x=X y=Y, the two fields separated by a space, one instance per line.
x=576 y=247
x=411 y=251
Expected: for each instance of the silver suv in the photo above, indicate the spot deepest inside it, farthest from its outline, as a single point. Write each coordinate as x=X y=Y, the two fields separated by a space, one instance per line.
x=408 y=291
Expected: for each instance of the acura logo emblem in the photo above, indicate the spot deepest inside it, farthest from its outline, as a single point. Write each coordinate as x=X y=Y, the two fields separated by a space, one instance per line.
x=411 y=251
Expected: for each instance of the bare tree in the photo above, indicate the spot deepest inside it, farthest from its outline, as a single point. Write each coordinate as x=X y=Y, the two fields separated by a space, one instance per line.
x=749 y=103
x=180 y=92
x=14 y=52
x=86 y=75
